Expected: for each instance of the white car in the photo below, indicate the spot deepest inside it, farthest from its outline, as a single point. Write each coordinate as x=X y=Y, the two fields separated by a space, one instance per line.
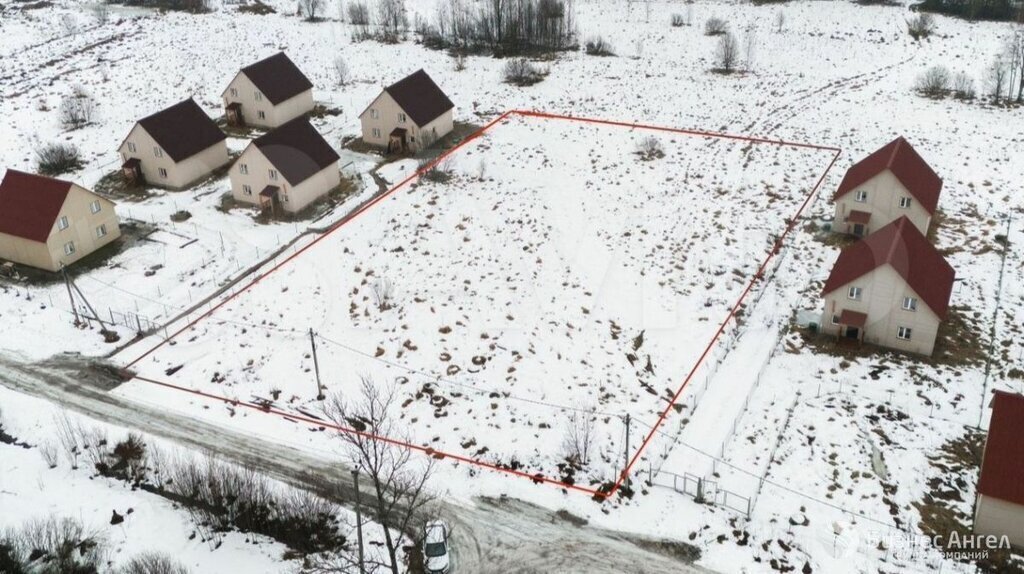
x=435 y=548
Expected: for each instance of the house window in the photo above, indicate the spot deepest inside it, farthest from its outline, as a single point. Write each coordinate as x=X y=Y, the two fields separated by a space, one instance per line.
x=854 y=293
x=284 y=198
x=376 y=132
x=234 y=92
x=131 y=147
x=243 y=168
x=163 y=172
x=262 y=114
x=835 y=319
x=259 y=96
x=905 y=202
x=903 y=333
x=95 y=206
x=273 y=174
x=157 y=151
x=862 y=196
x=374 y=114
x=62 y=223
x=246 y=190
x=909 y=304
x=101 y=231
x=401 y=118
x=69 y=248
x=412 y=139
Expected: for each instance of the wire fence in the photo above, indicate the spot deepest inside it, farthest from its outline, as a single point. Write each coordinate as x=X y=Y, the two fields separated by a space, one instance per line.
x=702 y=490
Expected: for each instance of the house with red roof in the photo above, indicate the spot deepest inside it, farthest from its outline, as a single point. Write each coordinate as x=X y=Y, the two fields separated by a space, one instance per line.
x=48 y=223
x=408 y=115
x=891 y=289
x=999 y=508
x=890 y=183
x=285 y=169
x=268 y=93
x=173 y=148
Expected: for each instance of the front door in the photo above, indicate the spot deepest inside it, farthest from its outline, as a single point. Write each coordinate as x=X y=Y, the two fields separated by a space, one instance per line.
x=858 y=229
x=852 y=333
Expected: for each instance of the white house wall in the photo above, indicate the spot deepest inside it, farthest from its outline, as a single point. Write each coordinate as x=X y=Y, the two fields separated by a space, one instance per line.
x=883 y=202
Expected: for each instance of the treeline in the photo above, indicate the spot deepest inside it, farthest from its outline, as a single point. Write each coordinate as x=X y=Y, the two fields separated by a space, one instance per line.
x=997 y=10
x=502 y=27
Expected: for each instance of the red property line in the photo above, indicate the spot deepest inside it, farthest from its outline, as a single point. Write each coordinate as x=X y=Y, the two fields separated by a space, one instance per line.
x=442 y=455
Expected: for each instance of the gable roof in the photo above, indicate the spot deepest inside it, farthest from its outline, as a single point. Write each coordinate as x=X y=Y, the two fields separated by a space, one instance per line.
x=277 y=77
x=297 y=150
x=29 y=204
x=901 y=246
x=1003 y=466
x=419 y=97
x=899 y=157
x=182 y=130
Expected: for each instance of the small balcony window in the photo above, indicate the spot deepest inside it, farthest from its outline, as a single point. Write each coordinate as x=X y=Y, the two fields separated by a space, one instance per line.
x=854 y=293
x=861 y=196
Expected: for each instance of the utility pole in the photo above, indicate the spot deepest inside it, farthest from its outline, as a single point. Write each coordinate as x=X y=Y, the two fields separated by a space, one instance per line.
x=316 y=367
x=359 y=521
x=625 y=461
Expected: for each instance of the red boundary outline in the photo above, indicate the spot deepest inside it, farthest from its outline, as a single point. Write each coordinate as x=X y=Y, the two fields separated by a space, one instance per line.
x=443 y=455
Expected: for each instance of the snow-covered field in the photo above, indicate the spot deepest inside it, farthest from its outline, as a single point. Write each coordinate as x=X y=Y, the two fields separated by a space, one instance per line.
x=536 y=220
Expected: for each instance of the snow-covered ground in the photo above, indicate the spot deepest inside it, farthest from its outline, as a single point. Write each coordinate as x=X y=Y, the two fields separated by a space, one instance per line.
x=536 y=197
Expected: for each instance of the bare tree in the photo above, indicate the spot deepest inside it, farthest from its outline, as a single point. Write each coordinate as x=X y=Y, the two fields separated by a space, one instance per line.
x=358 y=14
x=579 y=438
x=963 y=86
x=70 y=24
x=102 y=13
x=1015 y=61
x=728 y=53
x=310 y=9
x=341 y=72
x=396 y=480
x=77 y=109
x=749 y=47
x=997 y=79
x=780 y=21
x=715 y=26
x=921 y=26
x=383 y=293
x=689 y=14
x=392 y=21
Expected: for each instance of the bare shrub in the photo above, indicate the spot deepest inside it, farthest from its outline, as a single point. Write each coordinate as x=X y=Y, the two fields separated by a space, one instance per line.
x=598 y=46
x=341 y=72
x=921 y=26
x=678 y=20
x=715 y=26
x=52 y=545
x=311 y=9
x=460 y=63
x=934 y=83
x=70 y=24
x=650 y=148
x=358 y=14
x=522 y=72
x=780 y=21
x=77 y=109
x=50 y=453
x=153 y=563
x=727 y=54
x=579 y=439
x=437 y=172
x=963 y=87
x=997 y=79
x=383 y=293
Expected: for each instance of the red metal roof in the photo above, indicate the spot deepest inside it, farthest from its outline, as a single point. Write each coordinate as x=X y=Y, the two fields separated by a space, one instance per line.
x=901 y=246
x=29 y=204
x=899 y=157
x=853 y=318
x=1002 y=471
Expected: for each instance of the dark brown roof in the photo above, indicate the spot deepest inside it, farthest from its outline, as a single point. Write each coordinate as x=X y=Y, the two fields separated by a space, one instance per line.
x=858 y=216
x=182 y=130
x=297 y=150
x=420 y=97
x=278 y=78
x=30 y=204
x=899 y=157
x=853 y=318
x=1002 y=471
x=901 y=246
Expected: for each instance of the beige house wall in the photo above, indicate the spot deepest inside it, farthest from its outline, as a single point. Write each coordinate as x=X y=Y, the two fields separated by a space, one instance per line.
x=253 y=102
x=994 y=516
x=883 y=203
x=179 y=175
x=81 y=231
x=384 y=115
x=293 y=198
x=882 y=293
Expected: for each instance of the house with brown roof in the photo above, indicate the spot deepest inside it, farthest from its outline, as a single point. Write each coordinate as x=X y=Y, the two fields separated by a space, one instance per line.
x=890 y=183
x=48 y=223
x=891 y=289
x=268 y=94
x=285 y=169
x=999 y=507
x=173 y=148
x=408 y=115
